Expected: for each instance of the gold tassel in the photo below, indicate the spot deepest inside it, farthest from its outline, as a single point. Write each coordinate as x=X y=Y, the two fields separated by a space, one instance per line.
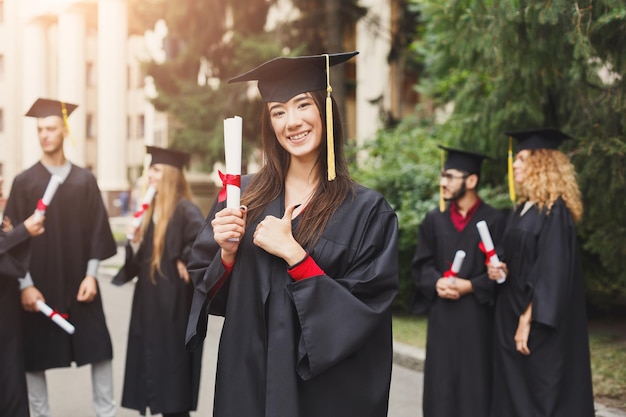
x=510 y=166
x=442 y=202
x=66 y=123
x=330 y=137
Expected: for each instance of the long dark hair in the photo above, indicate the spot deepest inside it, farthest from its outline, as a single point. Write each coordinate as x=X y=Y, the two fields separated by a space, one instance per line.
x=269 y=182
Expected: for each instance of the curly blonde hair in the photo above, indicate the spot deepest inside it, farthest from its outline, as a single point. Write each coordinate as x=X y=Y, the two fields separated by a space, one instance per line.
x=548 y=176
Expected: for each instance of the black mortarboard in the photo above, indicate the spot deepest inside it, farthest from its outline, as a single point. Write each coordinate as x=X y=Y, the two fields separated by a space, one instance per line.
x=469 y=162
x=172 y=157
x=285 y=77
x=44 y=107
x=546 y=138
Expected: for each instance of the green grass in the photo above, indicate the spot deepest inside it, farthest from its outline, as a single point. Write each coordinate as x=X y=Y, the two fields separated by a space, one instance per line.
x=608 y=365
x=410 y=330
x=608 y=355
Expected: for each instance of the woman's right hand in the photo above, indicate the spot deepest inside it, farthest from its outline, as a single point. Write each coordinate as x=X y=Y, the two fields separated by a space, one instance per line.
x=34 y=224
x=229 y=226
x=497 y=272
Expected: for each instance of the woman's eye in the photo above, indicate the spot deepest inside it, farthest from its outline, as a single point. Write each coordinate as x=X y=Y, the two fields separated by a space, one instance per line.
x=277 y=113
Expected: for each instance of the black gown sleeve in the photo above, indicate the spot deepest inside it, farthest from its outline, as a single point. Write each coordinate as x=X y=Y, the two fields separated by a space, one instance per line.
x=423 y=267
x=14 y=252
x=551 y=277
x=338 y=315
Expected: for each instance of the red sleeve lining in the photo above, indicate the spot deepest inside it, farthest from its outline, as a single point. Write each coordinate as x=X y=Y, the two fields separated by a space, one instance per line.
x=306 y=268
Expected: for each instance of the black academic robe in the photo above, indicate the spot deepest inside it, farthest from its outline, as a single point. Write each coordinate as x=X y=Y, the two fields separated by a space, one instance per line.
x=541 y=252
x=77 y=229
x=320 y=347
x=13 y=263
x=457 y=369
x=160 y=373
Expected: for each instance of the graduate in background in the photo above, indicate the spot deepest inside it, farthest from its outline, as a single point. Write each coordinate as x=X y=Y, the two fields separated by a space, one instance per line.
x=14 y=256
x=160 y=374
x=457 y=370
x=542 y=366
x=307 y=286
x=64 y=264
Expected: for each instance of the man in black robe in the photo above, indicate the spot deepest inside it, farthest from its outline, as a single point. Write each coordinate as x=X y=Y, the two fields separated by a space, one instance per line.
x=457 y=370
x=64 y=262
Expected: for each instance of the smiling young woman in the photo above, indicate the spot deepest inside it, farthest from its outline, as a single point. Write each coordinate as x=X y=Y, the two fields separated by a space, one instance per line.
x=307 y=286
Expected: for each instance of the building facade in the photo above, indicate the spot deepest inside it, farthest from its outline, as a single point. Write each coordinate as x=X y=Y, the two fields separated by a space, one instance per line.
x=80 y=51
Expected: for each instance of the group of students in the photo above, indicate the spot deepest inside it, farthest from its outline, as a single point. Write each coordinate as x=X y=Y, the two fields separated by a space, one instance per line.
x=505 y=338
x=304 y=274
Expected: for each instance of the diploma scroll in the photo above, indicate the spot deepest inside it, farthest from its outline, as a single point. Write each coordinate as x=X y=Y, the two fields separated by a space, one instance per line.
x=453 y=272
x=231 y=181
x=51 y=189
x=485 y=238
x=232 y=151
x=141 y=211
x=55 y=317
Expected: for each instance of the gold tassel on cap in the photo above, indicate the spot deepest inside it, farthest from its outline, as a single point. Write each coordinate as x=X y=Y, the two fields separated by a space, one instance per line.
x=330 y=138
x=511 y=178
x=442 y=203
x=66 y=123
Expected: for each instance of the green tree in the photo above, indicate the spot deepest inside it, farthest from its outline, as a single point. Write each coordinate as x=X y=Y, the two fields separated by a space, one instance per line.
x=202 y=52
x=508 y=65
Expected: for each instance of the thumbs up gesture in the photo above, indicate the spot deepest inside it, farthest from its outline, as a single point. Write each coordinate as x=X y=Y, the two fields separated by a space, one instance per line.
x=275 y=236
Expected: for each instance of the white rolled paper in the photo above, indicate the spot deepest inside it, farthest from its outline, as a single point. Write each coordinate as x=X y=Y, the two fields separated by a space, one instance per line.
x=51 y=189
x=60 y=321
x=459 y=257
x=145 y=203
x=232 y=151
x=485 y=237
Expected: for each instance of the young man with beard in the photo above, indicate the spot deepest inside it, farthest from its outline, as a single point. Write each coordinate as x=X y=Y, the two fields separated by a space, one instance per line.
x=457 y=370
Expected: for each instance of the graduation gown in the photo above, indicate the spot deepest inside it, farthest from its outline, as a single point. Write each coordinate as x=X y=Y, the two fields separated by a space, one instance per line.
x=457 y=369
x=13 y=264
x=160 y=373
x=77 y=229
x=541 y=252
x=320 y=347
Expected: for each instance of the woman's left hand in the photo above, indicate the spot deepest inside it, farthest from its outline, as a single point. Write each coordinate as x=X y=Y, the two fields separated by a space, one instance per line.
x=182 y=271
x=522 y=334
x=275 y=236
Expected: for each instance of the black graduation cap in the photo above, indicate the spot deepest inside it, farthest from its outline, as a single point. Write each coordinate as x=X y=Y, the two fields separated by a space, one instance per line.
x=44 y=107
x=285 y=77
x=545 y=138
x=172 y=157
x=469 y=162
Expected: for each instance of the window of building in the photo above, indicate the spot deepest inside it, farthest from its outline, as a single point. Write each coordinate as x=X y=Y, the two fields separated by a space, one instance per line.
x=89 y=131
x=141 y=126
x=90 y=72
x=1 y=11
x=128 y=127
x=1 y=67
x=1 y=120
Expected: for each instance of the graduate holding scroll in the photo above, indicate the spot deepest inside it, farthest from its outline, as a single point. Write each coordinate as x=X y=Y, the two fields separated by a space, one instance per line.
x=14 y=257
x=305 y=272
x=542 y=366
x=64 y=263
x=457 y=370
x=160 y=374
